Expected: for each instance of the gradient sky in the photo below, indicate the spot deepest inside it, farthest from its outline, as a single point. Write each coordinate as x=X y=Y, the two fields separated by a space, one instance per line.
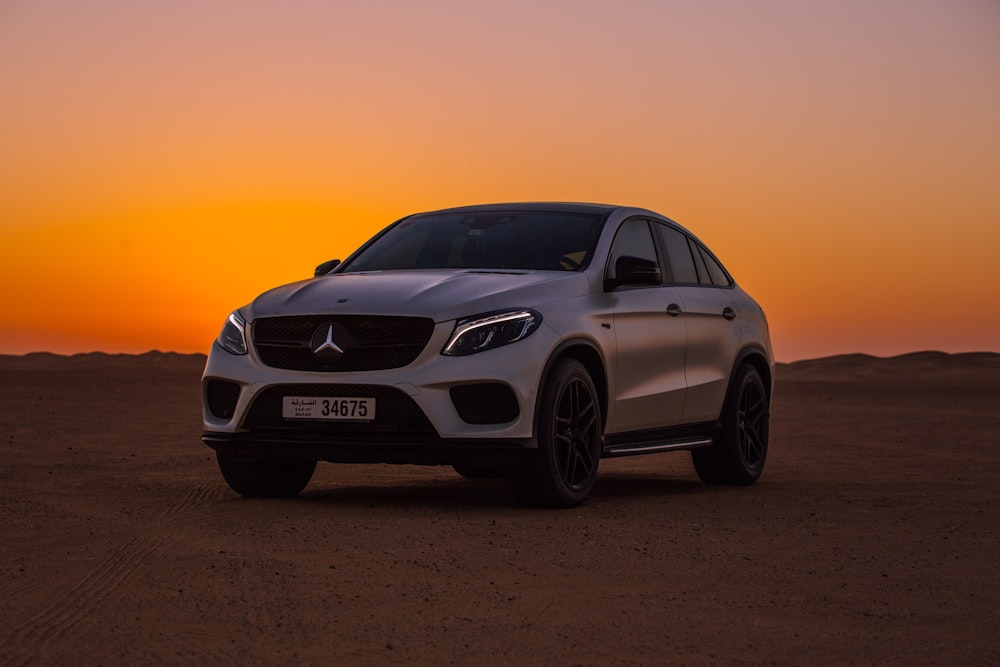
x=161 y=163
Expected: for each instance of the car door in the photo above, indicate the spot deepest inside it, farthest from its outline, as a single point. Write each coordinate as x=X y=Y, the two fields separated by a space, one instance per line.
x=711 y=319
x=650 y=339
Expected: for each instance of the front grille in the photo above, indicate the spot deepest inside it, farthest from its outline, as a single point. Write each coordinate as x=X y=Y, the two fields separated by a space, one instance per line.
x=377 y=342
x=397 y=416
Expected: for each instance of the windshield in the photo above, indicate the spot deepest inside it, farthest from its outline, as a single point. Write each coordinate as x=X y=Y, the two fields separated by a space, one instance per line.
x=485 y=240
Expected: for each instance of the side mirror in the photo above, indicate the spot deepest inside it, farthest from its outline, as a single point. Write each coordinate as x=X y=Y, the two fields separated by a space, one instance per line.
x=633 y=271
x=326 y=267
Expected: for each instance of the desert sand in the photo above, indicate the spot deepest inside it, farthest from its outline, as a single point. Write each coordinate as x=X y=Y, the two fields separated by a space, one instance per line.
x=873 y=537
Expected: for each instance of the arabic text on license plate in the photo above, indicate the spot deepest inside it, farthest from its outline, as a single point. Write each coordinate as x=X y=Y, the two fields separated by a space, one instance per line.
x=343 y=408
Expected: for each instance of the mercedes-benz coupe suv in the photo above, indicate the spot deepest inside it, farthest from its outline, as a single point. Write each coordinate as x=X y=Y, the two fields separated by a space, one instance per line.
x=522 y=341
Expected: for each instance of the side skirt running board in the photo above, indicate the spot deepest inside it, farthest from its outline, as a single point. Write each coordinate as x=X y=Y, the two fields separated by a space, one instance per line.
x=660 y=440
x=651 y=447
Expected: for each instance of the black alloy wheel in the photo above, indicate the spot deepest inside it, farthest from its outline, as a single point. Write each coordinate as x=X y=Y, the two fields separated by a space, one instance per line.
x=575 y=433
x=752 y=425
x=569 y=428
x=740 y=450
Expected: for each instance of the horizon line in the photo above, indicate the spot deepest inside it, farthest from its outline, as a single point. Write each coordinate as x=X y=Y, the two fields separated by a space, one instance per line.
x=152 y=352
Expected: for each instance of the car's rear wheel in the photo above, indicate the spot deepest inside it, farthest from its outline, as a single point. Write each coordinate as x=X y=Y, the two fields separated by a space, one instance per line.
x=273 y=478
x=739 y=453
x=562 y=472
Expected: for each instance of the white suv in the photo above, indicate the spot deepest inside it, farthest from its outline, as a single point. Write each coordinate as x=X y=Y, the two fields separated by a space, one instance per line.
x=524 y=341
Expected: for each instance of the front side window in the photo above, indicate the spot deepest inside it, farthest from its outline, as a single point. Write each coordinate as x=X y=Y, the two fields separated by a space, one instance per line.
x=490 y=240
x=633 y=248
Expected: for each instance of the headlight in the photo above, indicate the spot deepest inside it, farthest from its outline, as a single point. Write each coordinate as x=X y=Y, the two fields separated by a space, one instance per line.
x=485 y=332
x=233 y=337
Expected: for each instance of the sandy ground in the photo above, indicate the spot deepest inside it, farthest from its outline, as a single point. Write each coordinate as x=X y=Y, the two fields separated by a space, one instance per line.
x=872 y=538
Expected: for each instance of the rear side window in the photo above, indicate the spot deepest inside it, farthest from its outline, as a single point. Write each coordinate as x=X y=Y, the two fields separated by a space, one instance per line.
x=703 y=276
x=680 y=264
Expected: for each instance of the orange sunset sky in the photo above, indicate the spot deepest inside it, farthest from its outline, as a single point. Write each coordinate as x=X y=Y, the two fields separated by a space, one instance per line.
x=161 y=163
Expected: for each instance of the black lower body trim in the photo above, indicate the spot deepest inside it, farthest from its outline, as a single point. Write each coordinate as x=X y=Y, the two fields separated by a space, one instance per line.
x=419 y=450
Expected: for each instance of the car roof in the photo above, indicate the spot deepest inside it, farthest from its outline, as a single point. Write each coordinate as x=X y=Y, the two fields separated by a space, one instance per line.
x=535 y=207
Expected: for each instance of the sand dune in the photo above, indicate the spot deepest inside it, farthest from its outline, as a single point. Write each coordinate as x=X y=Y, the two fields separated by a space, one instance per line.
x=100 y=360
x=873 y=537
x=980 y=366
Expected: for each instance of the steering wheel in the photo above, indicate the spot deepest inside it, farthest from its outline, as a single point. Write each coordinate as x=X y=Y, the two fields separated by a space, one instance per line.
x=572 y=264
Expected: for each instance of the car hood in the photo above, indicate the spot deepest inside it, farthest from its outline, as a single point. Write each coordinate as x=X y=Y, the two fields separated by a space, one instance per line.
x=439 y=294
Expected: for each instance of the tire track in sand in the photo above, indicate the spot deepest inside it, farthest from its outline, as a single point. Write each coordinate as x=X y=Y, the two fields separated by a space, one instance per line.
x=72 y=612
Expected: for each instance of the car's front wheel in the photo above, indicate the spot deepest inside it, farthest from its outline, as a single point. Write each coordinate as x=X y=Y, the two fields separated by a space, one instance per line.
x=274 y=478
x=739 y=453
x=562 y=472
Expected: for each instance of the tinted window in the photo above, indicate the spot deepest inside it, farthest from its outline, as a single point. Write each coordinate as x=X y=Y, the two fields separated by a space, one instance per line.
x=699 y=262
x=715 y=270
x=635 y=242
x=680 y=264
x=489 y=240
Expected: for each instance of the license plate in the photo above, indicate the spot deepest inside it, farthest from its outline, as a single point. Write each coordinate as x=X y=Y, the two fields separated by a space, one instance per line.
x=337 y=408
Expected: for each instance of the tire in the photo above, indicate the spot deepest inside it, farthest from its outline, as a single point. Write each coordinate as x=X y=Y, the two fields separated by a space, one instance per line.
x=276 y=478
x=473 y=472
x=569 y=428
x=740 y=451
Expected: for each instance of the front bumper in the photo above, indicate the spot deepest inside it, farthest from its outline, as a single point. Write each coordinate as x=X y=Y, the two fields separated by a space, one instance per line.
x=419 y=425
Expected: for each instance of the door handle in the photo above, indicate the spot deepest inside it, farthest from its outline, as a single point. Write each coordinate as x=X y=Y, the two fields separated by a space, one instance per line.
x=729 y=313
x=673 y=310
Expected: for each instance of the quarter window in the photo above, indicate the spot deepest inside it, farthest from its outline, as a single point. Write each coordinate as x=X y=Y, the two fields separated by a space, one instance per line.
x=715 y=270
